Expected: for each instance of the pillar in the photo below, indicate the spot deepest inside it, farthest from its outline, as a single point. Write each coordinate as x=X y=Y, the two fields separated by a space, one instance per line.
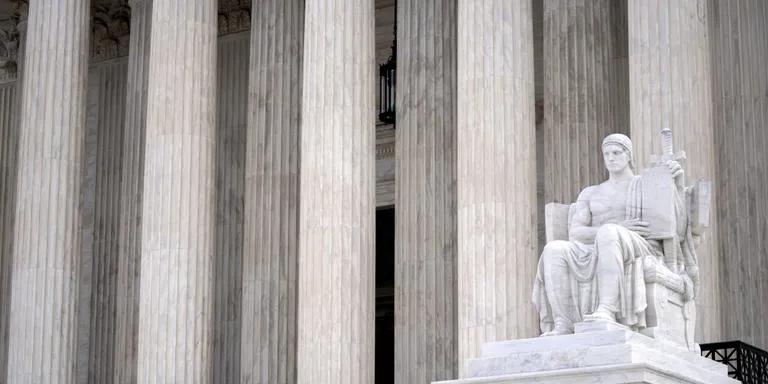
x=336 y=314
x=10 y=118
x=100 y=220
x=9 y=92
x=270 y=254
x=231 y=110
x=739 y=52
x=425 y=193
x=585 y=91
x=670 y=86
x=176 y=304
x=131 y=188
x=496 y=177
x=44 y=292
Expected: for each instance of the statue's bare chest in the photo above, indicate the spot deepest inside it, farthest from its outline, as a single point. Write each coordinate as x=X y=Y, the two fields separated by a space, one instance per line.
x=608 y=202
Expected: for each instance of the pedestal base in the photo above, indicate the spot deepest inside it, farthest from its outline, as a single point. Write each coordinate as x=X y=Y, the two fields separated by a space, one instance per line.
x=596 y=355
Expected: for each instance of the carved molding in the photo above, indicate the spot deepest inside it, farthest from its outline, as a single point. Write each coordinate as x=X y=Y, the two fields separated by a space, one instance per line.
x=110 y=29
x=10 y=39
x=234 y=16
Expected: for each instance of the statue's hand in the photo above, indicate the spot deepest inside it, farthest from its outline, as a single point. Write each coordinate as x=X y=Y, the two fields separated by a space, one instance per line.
x=677 y=172
x=635 y=225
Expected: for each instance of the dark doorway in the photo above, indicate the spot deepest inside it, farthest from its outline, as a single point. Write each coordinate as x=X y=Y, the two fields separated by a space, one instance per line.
x=385 y=296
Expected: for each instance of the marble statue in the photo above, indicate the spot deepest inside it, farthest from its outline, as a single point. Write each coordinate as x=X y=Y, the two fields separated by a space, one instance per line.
x=627 y=238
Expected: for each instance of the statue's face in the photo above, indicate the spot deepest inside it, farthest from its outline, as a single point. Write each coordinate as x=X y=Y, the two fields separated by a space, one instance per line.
x=616 y=159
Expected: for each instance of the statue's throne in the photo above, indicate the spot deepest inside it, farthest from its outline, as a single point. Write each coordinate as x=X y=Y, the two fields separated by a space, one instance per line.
x=669 y=315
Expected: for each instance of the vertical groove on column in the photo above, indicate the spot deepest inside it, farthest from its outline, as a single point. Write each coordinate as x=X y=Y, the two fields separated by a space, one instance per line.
x=9 y=129
x=739 y=51
x=670 y=86
x=272 y=186
x=337 y=203
x=87 y=212
x=425 y=193
x=176 y=303
x=129 y=261
x=46 y=245
x=582 y=92
x=102 y=315
x=232 y=101
x=496 y=174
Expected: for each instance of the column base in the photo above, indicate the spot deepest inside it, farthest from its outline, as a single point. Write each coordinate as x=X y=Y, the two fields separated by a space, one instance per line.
x=606 y=356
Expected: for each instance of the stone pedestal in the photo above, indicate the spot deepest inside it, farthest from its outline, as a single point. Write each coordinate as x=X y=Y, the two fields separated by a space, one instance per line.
x=598 y=353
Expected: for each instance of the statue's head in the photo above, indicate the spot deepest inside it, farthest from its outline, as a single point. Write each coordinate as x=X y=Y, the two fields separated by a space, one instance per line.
x=617 y=152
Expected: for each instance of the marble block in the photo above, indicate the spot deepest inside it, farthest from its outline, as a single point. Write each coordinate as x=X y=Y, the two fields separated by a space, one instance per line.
x=597 y=353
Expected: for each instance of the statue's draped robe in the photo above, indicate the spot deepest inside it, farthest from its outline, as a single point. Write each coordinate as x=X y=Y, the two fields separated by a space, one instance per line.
x=581 y=260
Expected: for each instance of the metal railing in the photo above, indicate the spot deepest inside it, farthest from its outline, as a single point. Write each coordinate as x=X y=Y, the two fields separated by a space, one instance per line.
x=745 y=363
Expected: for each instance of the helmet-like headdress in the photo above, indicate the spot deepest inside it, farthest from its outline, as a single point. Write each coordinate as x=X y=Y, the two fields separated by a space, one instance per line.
x=622 y=141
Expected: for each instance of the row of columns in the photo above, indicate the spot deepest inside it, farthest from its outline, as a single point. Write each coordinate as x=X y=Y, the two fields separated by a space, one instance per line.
x=466 y=218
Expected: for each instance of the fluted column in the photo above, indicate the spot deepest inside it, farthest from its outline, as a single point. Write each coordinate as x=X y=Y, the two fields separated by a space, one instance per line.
x=670 y=87
x=496 y=178
x=739 y=51
x=8 y=145
x=585 y=94
x=425 y=193
x=10 y=119
x=131 y=188
x=337 y=203
x=270 y=254
x=105 y=123
x=175 y=314
x=231 y=109
x=44 y=294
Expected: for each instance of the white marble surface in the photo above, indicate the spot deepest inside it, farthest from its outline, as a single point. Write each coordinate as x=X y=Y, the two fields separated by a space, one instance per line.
x=496 y=173
x=612 y=356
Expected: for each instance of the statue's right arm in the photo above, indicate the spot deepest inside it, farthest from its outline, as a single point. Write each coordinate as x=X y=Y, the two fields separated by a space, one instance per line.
x=581 y=228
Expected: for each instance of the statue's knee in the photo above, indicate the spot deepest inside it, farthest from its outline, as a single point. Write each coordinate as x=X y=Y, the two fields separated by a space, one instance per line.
x=607 y=232
x=554 y=251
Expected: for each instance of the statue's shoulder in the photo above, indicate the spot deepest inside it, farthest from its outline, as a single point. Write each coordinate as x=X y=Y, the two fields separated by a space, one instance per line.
x=586 y=193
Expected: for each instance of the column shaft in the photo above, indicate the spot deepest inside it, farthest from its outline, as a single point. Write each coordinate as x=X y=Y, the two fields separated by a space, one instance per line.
x=176 y=303
x=129 y=259
x=496 y=174
x=270 y=255
x=670 y=86
x=44 y=293
x=739 y=51
x=584 y=94
x=232 y=105
x=10 y=119
x=425 y=193
x=337 y=204
x=99 y=259
x=9 y=132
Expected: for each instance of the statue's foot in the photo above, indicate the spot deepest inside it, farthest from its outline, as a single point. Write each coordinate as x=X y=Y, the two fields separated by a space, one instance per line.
x=559 y=329
x=601 y=314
